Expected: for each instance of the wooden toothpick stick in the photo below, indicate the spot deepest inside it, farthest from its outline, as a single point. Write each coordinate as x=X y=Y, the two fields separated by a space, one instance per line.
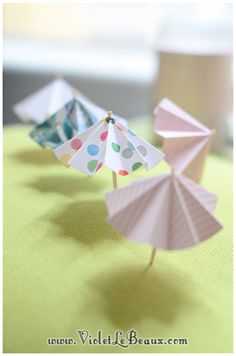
x=114 y=177
x=114 y=180
x=152 y=256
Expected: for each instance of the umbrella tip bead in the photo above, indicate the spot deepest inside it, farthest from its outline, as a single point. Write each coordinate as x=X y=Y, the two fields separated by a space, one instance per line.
x=110 y=118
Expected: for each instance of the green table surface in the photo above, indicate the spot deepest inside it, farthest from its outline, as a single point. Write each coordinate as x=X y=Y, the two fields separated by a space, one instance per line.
x=66 y=269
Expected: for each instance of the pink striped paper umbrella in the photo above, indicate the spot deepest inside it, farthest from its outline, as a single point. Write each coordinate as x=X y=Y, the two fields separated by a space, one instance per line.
x=169 y=212
x=108 y=143
x=186 y=140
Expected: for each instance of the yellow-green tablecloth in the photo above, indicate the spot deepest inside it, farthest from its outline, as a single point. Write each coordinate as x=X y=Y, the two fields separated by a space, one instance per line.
x=66 y=269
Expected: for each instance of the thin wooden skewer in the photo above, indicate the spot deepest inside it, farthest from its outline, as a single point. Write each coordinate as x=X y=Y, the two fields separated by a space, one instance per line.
x=114 y=177
x=114 y=180
x=153 y=254
x=213 y=132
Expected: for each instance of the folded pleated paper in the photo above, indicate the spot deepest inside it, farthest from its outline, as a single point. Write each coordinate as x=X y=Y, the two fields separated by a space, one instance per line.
x=169 y=212
x=74 y=117
x=186 y=140
x=45 y=102
x=108 y=143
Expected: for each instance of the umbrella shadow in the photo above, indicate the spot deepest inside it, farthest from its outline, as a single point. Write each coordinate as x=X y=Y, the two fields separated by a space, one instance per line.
x=129 y=296
x=85 y=221
x=65 y=185
x=36 y=157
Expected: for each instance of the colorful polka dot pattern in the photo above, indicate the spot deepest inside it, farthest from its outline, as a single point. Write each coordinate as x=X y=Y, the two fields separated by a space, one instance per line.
x=104 y=136
x=131 y=146
x=136 y=166
x=92 y=165
x=93 y=150
x=99 y=166
x=142 y=150
x=123 y=173
x=76 y=144
x=127 y=153
x=115 y=147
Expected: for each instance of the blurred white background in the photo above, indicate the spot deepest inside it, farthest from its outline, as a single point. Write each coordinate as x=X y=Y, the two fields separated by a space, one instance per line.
x=125 y=57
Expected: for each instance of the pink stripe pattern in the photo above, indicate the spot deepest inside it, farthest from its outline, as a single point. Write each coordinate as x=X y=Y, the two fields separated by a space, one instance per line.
x=169 y=212
x=186 y=141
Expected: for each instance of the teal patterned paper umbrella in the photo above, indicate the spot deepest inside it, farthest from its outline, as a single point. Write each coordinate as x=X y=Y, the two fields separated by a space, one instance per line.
x=73 y=118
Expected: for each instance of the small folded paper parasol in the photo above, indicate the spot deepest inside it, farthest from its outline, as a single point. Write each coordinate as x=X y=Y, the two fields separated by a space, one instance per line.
x=186 y=140
x=108 y=143
x=169 y=212
x=45 y=102
x=74 y=117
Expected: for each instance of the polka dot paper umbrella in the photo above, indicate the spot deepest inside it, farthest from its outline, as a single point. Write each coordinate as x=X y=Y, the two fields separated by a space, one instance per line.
x=75 y=116
x=111 y=144
x=169 y=212
x=186 y=140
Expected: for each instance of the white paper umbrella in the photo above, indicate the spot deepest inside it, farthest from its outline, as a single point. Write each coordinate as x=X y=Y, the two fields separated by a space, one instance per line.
x=45 y=102
x=111 y=144
x=186 y=140
x=169 y=212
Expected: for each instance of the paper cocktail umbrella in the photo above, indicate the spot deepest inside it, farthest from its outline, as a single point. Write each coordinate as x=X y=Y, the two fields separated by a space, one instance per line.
x=74 y=117
x=186 y=140
x=111 y=144
x=45 y=102
x=169 y=212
